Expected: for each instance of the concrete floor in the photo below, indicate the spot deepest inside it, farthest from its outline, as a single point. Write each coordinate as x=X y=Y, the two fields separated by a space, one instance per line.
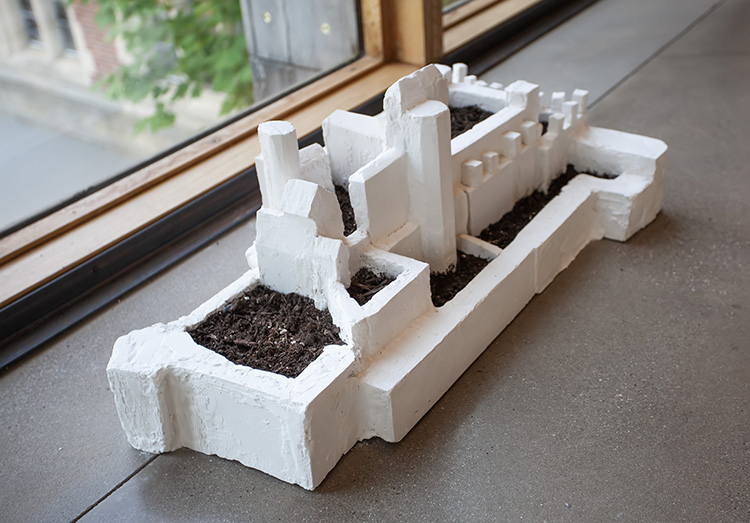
x=621 y=393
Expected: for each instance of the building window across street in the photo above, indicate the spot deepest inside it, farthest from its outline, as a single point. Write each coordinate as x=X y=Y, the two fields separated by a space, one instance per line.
x=30 y=24
x=63 y=26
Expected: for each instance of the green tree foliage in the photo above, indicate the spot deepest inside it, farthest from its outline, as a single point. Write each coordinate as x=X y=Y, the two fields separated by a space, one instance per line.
x=178 y=49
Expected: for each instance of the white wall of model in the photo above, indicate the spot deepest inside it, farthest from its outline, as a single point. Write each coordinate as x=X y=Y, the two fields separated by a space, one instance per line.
x=418 y=196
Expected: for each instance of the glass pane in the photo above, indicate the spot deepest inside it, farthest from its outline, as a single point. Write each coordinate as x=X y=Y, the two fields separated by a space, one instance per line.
x=145 y=76
x=293 y=41
x=452 y=4
x=63 y=24
x=29 y=22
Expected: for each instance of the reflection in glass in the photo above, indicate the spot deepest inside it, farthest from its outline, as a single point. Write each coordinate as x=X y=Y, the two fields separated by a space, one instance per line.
x=29 y=21
x=140 y=77
x=291 y=42
x=63 y=24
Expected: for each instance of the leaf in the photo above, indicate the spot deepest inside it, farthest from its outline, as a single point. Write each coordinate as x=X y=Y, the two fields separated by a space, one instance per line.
x=175 y=50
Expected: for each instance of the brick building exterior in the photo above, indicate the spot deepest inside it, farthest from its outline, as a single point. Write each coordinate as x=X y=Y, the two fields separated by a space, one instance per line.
x=52 y=53
x=102 y=51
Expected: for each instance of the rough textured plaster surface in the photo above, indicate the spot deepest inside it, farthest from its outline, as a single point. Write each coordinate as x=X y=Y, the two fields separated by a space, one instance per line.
x=401 y=353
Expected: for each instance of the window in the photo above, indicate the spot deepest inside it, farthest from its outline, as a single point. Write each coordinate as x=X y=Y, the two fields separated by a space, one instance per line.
x=92 y=238
x=29 y=22
x=46 y=26
x=63 y=26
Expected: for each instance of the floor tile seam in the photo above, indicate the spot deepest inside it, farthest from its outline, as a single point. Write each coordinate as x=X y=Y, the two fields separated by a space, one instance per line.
x=116 y=487
x=659 y=51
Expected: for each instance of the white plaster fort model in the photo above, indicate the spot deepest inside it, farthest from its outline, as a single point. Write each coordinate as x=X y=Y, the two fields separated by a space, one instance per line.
x=418 y=196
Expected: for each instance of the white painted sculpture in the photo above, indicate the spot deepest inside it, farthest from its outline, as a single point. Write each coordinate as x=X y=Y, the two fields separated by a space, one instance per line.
x=417 y=197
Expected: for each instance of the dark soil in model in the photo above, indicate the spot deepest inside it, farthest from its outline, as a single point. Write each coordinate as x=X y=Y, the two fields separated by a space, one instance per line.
x=445 y=285
x=502 y=232
x=464 y=118
x=284 y=333
x=347 y=212
x=267 y=330
x=366 y=284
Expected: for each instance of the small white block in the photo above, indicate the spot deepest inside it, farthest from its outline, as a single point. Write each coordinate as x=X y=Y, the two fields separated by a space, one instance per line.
x=459 y=72
x=380 y=195
x=410 y=91
x=461 y=209
x=471 y=79
x=275 y=128
x=556 y=121
x=280 y=153
x=471 y=173
x=530 y=131
x=523 y=94
x=310 y=200
x=315 y=166
x=491 y=161
x=351 y=140
x=582 y=97
x=496 y=196
x=481 y=83
x=476 y=247
x=558 y=99
x=570 y=110
x=510 y=144
x=496 y=85
x=446 y=71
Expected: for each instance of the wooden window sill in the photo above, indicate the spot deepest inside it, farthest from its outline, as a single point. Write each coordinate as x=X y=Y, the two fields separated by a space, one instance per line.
x=53 y=245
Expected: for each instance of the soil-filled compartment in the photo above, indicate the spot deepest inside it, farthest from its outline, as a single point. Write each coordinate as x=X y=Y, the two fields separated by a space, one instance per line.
x=268 y=330
x=366 y=283
x=464 y=118
x=445 y=285
x=347 y=211
x=504 y=231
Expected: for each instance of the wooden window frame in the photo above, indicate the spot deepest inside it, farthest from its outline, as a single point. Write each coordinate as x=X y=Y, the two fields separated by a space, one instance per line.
x=399 y=37
x=472 y=19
